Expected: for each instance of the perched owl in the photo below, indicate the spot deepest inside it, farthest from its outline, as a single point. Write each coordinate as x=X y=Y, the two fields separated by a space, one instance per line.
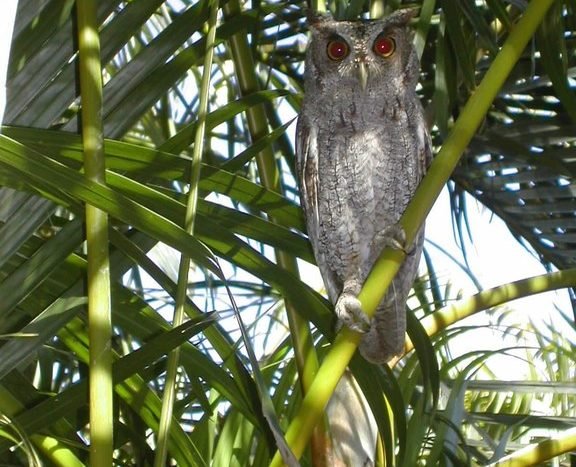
x=362 y=148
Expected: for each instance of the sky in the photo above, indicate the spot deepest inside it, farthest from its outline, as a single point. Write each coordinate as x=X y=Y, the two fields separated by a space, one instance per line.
x=6 y=26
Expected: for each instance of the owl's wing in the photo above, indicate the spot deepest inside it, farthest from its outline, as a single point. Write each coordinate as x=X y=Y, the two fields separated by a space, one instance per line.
x=307 y=169
x=426 y=154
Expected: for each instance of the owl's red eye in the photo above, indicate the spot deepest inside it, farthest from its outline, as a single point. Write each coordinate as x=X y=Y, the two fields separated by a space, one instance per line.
x=384 y=46
x=337 y=50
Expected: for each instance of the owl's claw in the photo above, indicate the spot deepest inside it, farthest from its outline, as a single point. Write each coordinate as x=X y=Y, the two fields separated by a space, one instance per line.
x=349 y=311
x=392 y=236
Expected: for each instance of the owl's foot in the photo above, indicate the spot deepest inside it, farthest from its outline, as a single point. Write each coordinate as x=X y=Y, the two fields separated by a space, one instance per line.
x=392 y=236
x=349 y=309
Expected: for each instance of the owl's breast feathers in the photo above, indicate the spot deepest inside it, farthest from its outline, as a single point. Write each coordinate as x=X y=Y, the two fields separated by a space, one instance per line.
x=358 y=171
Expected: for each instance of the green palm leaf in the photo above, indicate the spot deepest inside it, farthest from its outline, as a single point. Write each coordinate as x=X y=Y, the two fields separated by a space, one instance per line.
x=434 y=407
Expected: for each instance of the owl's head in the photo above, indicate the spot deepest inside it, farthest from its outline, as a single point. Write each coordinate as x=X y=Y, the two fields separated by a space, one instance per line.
x=367 y=55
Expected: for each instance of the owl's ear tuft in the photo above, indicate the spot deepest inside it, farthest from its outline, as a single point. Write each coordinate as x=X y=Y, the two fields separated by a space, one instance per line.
x=402 y=17
x=317 y=19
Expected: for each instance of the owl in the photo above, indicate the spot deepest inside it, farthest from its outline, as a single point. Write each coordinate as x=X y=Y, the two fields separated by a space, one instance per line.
x=362 y=148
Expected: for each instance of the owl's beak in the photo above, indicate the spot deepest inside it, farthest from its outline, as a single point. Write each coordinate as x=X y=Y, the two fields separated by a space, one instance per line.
x=363 y=74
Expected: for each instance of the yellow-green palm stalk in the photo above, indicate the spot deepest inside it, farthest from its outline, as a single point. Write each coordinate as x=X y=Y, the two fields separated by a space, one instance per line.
x=495 y=296
x=305 y=355
x=182 y=287
x=383 y=272
x=99 y=308
x=536 y=454
x=304 y=352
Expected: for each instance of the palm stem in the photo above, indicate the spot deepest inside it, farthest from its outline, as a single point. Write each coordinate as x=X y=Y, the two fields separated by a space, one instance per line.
x=184 y=267
x=495 y=296
x=538 y=453
x=303 y=345
x=99 y=308
x=306 y=360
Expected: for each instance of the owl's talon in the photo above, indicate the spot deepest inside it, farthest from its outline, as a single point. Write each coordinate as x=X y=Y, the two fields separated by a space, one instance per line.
x=392 y=236
x=349 y=311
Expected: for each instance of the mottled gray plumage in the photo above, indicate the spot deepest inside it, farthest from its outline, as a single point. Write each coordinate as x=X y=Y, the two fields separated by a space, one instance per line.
x=362 y=148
